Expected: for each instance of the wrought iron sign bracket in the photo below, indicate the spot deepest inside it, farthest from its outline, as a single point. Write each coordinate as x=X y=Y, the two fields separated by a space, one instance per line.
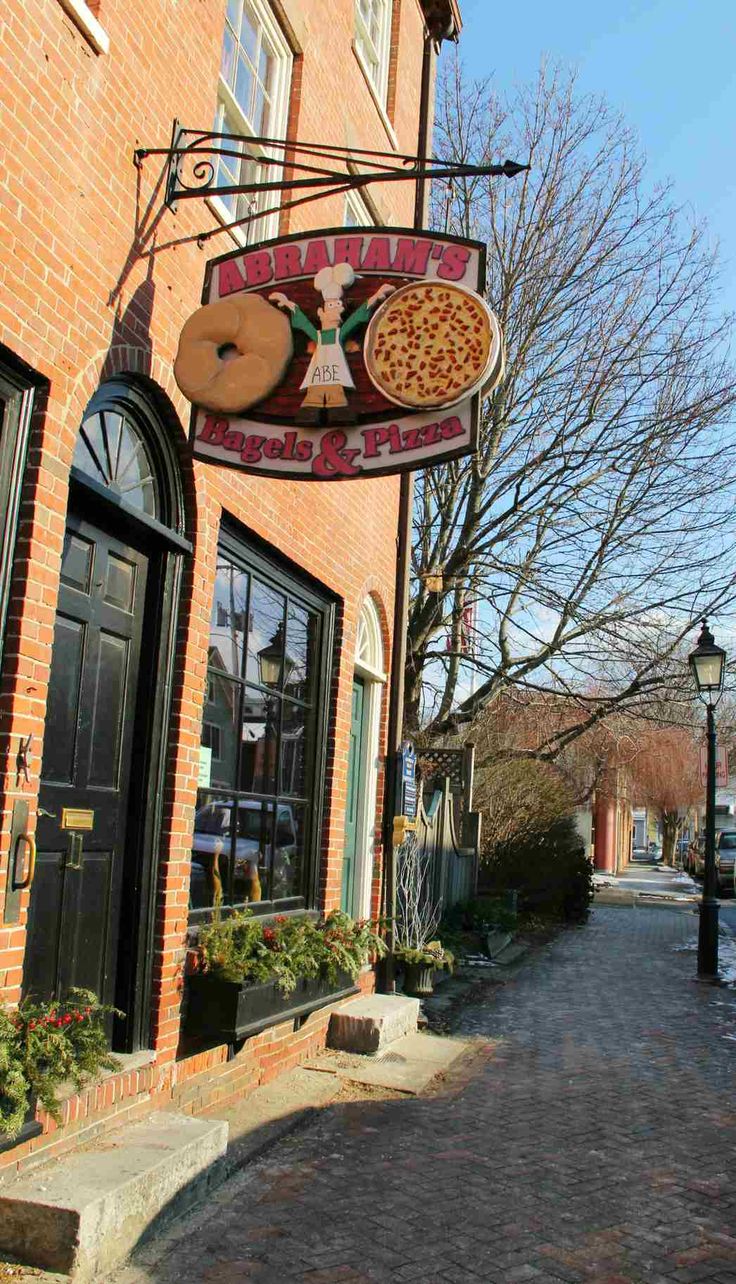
x=304 y=171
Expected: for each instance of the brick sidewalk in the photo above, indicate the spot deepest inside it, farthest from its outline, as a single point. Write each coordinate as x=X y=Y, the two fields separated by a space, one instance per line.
x=592 y=1138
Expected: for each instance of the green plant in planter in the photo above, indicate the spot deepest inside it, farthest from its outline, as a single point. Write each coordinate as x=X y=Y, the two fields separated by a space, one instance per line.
x=245 y=950
x=434 y=954
x=43 y=1045
x=346 y=944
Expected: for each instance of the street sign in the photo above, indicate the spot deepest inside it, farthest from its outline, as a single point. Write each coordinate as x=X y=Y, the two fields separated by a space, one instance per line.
x=721 y=766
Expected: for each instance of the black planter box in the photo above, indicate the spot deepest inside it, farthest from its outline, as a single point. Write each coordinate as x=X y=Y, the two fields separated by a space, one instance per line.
x=30 y=1129
x=226 y=1011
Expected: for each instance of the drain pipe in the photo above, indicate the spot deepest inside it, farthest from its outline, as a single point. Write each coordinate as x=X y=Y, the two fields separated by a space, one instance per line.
x=434 y=34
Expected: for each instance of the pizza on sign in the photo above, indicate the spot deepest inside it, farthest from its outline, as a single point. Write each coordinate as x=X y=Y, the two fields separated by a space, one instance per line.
x=340 y=355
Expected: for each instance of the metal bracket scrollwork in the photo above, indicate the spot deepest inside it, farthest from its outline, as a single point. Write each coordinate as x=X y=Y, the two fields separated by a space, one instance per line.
x=305 y=171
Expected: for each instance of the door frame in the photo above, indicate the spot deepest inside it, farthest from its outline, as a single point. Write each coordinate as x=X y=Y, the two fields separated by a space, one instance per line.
x=166 y=547
x=370 y=671
x=357 y=766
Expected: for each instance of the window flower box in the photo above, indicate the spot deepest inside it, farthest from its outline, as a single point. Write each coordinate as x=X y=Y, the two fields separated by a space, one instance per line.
x=227 y=1011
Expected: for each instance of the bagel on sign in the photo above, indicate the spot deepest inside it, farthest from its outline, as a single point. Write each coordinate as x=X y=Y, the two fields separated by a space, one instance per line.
x=233 y=353
x=431 y=344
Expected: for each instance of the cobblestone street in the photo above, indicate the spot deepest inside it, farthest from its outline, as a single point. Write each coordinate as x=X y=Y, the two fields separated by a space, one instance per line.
x=591 y=1138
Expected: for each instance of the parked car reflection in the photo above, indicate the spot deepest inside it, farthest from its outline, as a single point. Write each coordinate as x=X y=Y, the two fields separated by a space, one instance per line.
x=725 y=860
x=261 y=869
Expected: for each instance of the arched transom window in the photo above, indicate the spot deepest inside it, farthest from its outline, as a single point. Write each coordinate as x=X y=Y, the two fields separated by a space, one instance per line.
x=111 y=451
x=369 y=643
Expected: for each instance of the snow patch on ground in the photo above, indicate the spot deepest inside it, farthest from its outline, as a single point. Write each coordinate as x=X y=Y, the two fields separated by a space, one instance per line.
x=726 y=957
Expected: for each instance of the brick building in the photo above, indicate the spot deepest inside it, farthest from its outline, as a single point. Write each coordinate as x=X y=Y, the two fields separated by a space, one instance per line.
x=142 y=592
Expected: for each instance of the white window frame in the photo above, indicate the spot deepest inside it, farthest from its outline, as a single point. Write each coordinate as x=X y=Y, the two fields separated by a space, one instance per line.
x=381 y=49
x=265 y=228
x=356 y=205
x=86 y=22
x=369 y=665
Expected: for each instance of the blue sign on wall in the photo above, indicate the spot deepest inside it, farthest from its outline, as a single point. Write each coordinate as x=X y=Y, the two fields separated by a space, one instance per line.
x=407 y=801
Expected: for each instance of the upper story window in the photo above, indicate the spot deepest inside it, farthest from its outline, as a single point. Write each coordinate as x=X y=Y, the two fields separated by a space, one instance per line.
x=356 y=213
x=373 y=42
x=252 y=99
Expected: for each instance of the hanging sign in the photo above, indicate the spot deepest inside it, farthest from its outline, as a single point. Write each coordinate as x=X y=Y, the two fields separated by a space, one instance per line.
x=339 y=355
x=721 y=766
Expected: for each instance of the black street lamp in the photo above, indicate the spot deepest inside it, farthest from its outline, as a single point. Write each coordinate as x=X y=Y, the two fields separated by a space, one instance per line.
x=707 y=665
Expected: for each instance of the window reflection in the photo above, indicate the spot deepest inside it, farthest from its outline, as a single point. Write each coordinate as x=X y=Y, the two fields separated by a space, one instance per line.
x=220 y=731
x=265 y=635
x=294 y=739
x=228 y=624
x=258 y=742
x=301 y=638
x=219 y=874
x=288 y=850
x=260 y=738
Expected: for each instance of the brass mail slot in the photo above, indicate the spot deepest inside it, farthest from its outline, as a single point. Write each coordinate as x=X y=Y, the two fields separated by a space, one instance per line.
x=77 y=818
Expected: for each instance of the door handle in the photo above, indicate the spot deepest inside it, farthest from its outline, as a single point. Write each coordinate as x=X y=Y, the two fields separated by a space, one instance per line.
x=30 y=872
x=74 y=859
x=51 y=815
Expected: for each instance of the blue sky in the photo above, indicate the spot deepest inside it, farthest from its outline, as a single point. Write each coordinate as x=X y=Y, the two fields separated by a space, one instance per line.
x=669 y=67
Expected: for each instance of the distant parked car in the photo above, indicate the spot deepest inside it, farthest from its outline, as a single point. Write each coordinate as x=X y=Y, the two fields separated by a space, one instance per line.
x=640 y=853
x=695 y=859
x=725 y=859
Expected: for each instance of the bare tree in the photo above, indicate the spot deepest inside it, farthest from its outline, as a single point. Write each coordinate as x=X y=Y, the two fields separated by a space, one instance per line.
x=595 y=523
x=666 y=777
x=417 y=910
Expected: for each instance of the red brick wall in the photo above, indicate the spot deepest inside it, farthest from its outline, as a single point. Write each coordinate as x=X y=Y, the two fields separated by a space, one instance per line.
x=97 y=277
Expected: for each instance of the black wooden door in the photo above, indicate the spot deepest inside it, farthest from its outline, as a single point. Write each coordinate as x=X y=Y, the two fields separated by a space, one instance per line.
x=74 y=916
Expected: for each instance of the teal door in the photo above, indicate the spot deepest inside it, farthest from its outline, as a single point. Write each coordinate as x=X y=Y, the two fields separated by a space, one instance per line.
x=355 y=793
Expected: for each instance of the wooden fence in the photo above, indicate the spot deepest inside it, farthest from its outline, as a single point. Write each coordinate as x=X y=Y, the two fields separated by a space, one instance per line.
x=448 y=830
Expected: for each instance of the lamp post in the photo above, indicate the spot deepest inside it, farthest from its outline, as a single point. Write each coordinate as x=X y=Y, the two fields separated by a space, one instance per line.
x=707 y=665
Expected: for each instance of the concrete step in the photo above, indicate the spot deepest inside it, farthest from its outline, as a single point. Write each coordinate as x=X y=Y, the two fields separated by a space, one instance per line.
x=370 y=1024
x=83 y=1213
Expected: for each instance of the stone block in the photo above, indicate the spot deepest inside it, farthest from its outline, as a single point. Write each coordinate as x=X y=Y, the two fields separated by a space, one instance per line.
x=82 y=1214
x=372 y=1022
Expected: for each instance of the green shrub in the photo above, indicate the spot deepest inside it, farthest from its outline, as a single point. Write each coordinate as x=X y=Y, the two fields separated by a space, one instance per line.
x=244 y=949
x=482 y=914
x=549 y=869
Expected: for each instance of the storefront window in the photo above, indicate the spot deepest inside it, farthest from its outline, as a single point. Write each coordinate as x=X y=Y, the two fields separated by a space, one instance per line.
x=256 y=825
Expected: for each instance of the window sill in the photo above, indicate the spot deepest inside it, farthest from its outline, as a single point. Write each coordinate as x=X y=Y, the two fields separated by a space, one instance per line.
x=84 y=19
x=380 y=108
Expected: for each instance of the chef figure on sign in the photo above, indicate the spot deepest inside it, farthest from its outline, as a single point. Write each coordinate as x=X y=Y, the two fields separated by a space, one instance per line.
x=328 y=373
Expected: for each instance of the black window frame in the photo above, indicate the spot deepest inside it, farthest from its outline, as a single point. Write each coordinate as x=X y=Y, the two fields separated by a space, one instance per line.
x=20 y=386
x=246 y=552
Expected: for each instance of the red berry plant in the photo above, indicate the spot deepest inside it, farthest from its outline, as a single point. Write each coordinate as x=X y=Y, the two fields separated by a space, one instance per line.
x=43 y=1045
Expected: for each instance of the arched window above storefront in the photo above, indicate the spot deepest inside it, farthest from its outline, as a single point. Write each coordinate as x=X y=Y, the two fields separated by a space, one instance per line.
x=125 y=454
x=369 y=643
x=111 y=451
